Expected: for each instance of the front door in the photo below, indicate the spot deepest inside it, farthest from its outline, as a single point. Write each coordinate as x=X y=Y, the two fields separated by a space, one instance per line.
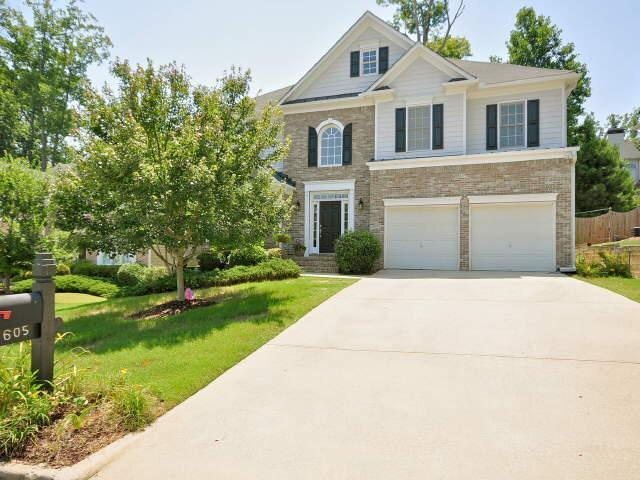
x=330 y=227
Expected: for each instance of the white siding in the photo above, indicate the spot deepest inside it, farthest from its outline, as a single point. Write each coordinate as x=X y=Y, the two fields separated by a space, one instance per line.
x=551 y=118
x=335 y=79
x=421 y=82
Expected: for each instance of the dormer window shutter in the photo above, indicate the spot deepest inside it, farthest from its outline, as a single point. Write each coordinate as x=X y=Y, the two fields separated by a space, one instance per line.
x=383 y=59
x=355 y=63
x=401 y=129
x=346 y=145
x=533 y=123
x=312 y=158
x=438 y=126
x=492 y=127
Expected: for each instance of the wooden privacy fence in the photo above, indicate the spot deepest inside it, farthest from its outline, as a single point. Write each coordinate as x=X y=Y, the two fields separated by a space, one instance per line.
x=610 y=227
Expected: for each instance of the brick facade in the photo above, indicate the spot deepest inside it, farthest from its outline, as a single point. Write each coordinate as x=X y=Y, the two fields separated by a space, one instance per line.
x=536 y=176
x=539 y=176
x=296 y=128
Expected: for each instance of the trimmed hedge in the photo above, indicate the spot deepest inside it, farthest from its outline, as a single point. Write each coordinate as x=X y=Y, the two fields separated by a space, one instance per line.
x=89 y=269
x=609 y=265
x=274 y=269
x=251 y=255
x=75 y=284
x=131 y=274
x=357 y=252
x=210 y=260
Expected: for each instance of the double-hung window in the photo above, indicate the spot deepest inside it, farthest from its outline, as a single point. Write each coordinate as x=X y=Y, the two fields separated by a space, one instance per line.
x=512 y=125
x=419 y=127
x=370 y=62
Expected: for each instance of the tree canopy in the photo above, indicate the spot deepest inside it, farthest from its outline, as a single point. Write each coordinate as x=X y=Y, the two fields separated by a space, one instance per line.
x=43 y=77
x=602 y=177
x=629 y=121
x=172 y=164
x=536 y=42
x=431 y=21
x=23 y=195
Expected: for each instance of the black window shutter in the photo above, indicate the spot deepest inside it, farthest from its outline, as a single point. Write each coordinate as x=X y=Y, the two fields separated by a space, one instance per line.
x=383 y=59
x=492 y=127
x=437 y=126
x=533 y=123
x=355 y=63
x=313 y=148
x=346 y=145
x=401 y=130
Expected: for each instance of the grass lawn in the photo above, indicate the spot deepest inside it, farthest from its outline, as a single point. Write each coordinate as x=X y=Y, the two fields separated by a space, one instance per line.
x=176 y=356
x=66 y=301
x=627 y=242
x=629 y=287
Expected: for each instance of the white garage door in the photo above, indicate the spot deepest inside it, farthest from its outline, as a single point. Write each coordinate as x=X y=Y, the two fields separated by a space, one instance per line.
x=422 y=237
x=513 y=236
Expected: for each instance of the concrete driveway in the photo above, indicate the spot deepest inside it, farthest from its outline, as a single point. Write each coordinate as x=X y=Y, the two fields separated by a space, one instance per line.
x=415 y=375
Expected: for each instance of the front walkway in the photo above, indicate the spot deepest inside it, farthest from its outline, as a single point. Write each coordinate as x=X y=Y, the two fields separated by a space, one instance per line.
x=410 y=375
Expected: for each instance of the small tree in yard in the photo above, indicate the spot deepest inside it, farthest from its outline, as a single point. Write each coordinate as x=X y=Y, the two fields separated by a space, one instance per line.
x=171 y=164
x=23 y=194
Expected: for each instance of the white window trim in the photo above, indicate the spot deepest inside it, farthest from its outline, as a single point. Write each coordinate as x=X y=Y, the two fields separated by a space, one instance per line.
x=330 y=122
x=524 y=101
x=324 y=186
x=369 y=48
x=406 y=126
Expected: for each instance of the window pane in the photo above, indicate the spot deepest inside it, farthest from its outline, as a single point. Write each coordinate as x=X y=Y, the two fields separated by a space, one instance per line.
x=419 y=128
x=370 y=61
x=512 y=124
x=331 y=146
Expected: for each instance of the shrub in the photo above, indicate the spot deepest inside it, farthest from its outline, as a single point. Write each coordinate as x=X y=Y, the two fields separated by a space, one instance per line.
x=273 y=269
x=283 y=238
x=275 y=253
x=63 y=269
x=89 y=269
x=76 y=284
x=608 y=265
x=210 y=260
x=131 y=274
x=357 y=252
x=251 y=255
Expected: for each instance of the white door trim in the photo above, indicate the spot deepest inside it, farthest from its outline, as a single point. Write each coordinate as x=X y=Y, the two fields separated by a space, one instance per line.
x=405 y=202
x=325 y=186
x=518 y=198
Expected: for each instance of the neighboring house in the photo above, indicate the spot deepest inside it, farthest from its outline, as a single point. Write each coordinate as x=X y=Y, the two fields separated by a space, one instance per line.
x=452 y=164
x=628 y=150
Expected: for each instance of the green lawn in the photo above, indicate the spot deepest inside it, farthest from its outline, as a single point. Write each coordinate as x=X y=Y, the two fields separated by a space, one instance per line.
x=627 y=242
x=629 y=287
x=65 y=301
x=176 y=356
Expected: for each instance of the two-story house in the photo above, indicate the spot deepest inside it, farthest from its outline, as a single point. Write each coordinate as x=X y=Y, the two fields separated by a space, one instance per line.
x=453 y=164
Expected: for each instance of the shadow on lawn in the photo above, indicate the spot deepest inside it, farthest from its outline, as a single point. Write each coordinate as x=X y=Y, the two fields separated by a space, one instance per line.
x=109 y=329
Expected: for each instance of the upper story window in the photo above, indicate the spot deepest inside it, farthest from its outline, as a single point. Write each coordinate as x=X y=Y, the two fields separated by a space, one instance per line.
x=512 y=125
x=419 y=127
x=330 y=146
x=370 y=62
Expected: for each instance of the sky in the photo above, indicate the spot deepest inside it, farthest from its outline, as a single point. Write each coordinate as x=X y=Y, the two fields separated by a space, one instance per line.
x=279 y=40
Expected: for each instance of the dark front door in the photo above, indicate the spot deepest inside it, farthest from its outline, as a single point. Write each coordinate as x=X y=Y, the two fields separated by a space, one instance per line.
x=329 y=225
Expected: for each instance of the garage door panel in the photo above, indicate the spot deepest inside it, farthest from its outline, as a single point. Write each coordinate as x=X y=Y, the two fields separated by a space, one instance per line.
x=516 y=237
x=422 y=237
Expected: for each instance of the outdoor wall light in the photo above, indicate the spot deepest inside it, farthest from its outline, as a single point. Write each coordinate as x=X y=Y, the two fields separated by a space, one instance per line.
x=298 y=204
x=360 y=204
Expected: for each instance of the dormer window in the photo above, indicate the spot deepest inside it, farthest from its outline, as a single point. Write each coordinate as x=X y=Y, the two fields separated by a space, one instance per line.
x=370 y=62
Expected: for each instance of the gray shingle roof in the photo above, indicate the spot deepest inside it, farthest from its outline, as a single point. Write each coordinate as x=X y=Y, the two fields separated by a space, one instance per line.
x=488 y=72
x=271 y=97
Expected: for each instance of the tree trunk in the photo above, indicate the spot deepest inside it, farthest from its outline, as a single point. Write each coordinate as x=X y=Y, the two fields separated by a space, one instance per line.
x=44 y=159
x=180 y=278
x=6 y=281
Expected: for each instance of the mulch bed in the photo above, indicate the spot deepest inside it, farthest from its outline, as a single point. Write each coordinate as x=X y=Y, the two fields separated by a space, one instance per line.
x=60 y=446
x=173 y=307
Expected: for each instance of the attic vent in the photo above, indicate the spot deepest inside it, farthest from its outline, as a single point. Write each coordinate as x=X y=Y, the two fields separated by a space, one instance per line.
x=457 y=79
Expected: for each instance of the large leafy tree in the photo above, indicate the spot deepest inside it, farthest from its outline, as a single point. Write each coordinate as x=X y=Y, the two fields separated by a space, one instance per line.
x=629 y=121
x=602 y=177
x=536 y=42
x=23 y=194
x=43 y=75
x=174 y=165
x=431 y=21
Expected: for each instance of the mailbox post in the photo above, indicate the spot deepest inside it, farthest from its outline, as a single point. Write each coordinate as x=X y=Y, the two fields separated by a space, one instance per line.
x=44 y=268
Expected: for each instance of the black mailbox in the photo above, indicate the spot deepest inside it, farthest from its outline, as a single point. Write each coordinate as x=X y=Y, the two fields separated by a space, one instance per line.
x=20 y=317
